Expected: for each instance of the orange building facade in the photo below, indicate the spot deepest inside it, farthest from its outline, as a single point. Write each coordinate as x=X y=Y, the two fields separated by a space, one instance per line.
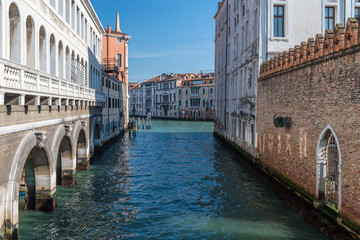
x=115 y=59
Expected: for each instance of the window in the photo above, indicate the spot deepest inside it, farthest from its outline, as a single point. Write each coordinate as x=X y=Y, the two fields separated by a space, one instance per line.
x=357 y=13
x=329 y=17
x=119 y=40
x=278 y=21
x=119 y=60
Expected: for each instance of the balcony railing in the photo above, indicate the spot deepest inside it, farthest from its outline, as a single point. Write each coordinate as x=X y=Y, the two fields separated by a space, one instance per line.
x=110 y=65
x=19 y=79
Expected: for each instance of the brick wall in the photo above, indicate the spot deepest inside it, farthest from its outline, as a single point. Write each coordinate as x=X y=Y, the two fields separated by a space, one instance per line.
x=317 y=85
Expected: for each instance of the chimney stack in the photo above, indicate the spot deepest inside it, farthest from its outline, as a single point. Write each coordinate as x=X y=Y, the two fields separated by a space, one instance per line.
x=117 y=28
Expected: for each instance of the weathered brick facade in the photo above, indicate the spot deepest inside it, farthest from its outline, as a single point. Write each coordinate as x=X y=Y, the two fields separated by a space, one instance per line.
x=317 y=85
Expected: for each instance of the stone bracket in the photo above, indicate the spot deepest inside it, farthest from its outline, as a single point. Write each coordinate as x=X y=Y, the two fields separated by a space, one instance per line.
x=40 y=138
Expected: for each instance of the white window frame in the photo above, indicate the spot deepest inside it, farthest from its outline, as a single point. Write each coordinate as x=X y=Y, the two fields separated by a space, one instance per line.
x=286 y=20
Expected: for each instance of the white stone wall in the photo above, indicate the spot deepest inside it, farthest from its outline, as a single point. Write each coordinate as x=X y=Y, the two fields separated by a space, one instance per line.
x=46 y=40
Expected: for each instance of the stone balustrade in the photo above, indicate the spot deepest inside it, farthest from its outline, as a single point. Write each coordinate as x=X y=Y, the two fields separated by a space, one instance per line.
x=17 y=79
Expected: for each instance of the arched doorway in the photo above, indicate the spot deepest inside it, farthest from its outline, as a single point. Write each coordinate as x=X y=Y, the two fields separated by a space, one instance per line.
x=30 y=42
x=66 y=165
x=15 y=33
x=82 y=160
x=328 y=171
x=42 y=50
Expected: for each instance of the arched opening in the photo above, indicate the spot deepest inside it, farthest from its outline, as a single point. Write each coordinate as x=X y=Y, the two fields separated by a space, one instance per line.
x=65 y=167
x=67 y=63
x=52 y=55
x=82 y=160
x=73 y=67
x=35 y=183
x=30 y=42
x=328 y=171
x=15 y=33
x=82 y=73
x=61 y=60
x=42 y=50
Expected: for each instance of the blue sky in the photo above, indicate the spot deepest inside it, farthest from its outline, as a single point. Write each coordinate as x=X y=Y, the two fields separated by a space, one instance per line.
x=168 y=36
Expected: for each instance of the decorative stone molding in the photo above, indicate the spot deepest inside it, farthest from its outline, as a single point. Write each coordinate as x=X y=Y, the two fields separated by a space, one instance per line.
x=68 y=129
x=40 y=138
x=83 y=125
x=334 y=41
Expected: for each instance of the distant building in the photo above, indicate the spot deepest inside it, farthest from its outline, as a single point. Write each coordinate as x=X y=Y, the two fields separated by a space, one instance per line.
x=196 y=98
x=165 y=97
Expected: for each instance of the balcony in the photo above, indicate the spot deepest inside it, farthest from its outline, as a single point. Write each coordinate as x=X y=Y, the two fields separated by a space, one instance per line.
x=19 y=80
x=110 y=65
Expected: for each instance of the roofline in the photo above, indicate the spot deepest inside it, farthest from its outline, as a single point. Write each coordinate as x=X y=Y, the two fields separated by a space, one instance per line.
x=219 y=8
x=93 y=15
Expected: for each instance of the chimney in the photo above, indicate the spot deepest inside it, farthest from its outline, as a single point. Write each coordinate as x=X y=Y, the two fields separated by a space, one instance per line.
x=117 y=28
x=109 y=29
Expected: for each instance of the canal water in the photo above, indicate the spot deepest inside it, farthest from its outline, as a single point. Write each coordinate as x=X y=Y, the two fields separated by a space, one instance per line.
x=174 y=182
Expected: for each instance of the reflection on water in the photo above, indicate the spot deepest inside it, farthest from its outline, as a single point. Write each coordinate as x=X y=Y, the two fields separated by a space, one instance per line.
x=174 y=182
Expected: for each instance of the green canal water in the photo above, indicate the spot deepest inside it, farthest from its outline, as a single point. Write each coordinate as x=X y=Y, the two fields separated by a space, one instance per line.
x=175 y=181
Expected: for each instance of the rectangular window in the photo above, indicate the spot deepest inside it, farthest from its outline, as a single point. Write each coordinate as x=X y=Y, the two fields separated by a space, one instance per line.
x=119 y=40
x=278 y=21
x=119 y=60
x=329 y=17
x=357 y=13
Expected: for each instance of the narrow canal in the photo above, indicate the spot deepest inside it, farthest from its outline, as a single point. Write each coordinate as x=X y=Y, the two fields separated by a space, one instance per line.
x=174 y=182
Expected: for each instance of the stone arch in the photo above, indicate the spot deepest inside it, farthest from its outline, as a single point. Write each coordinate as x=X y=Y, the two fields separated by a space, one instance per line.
x=67 y=64
x=52 y=55
x=328 y=171
x=35 y=149
x=30 y=42
x=42 y=49
x=82 y=145
x=63 y=150
x=61 y=59
x=95 y=134
x=15 y=33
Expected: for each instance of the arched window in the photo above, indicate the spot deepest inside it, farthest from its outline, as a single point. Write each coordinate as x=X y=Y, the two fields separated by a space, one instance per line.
x=328 y=170
x=30 y=42
x=15 y=33
x=42 y=50
x=73 y=67
x=61 y=59
x=52 y=55
x=67 y=64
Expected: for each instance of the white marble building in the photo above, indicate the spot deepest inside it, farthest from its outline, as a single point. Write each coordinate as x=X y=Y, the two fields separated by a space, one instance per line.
x=50 y=52
x=250 y=32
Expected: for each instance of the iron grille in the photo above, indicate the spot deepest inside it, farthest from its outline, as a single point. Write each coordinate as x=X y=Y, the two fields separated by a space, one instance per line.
x=332 y=173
